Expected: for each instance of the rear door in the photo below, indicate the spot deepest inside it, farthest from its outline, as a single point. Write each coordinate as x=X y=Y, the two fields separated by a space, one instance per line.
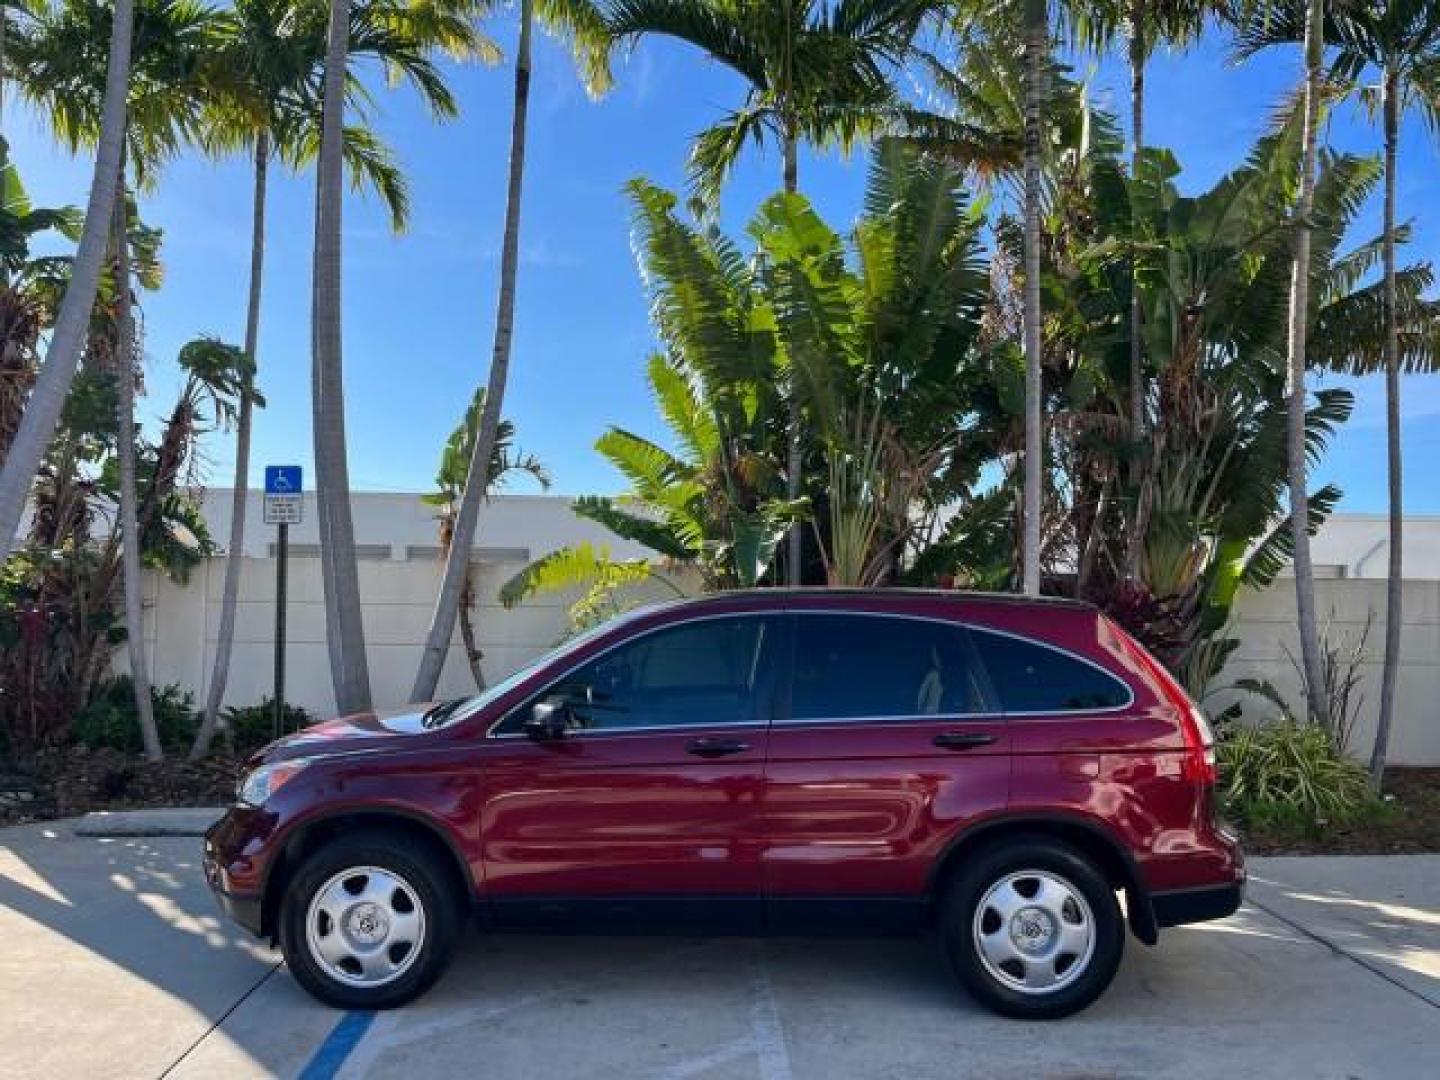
x=887 y=743
x=648 y=807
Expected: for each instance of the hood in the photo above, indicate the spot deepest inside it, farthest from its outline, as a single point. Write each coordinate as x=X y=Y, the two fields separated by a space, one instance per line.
x=344 y=734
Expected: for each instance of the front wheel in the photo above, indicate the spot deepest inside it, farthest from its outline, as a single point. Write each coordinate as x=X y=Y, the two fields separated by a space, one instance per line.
x=368 y=922
x=1033 y=930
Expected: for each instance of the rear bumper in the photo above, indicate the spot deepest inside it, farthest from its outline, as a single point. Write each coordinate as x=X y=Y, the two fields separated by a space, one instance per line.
x=1176 y=907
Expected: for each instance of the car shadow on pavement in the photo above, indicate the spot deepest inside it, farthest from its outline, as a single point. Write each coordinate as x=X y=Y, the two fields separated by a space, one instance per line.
x=170 y=966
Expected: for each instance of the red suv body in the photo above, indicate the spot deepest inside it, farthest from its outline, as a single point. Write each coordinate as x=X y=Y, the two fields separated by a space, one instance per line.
x=776 y=761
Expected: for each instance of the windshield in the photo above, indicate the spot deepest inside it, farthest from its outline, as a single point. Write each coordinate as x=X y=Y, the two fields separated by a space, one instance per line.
x=448 y=712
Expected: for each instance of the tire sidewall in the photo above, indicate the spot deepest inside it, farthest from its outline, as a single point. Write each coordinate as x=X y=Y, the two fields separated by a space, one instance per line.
x=974 y=880
x=429 y=882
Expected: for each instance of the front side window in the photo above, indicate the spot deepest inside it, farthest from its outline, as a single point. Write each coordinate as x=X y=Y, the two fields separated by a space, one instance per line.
x=853 y=667
x=1032 y=678
x=706 y=673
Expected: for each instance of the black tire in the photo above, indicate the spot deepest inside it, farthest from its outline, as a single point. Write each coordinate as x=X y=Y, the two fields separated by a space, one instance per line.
x=430 y=883
x=989 y=868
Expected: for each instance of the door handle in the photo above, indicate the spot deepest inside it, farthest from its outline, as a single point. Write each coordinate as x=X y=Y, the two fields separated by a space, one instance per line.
x=709 y=748
x=962 y=740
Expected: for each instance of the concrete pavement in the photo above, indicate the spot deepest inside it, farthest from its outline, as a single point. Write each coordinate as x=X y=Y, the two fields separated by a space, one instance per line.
x=114 y=963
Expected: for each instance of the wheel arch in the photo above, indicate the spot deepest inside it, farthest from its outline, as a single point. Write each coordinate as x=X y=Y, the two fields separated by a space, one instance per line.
x=311 y=834
x=1091 y=838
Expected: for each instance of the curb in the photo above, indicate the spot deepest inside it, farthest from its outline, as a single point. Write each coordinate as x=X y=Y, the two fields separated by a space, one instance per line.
x=180 y=821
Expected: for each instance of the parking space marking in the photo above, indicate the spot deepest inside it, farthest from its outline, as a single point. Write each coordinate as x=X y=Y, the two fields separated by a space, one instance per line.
x=219 y=1020
x=765 y=1024
x=344 y=1037
x=402 y=1029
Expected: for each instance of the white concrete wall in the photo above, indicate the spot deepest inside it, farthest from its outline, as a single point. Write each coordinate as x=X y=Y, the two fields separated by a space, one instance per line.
x=398 y=585
x=1265 y=624
x=1358 y=546
x=400 y=574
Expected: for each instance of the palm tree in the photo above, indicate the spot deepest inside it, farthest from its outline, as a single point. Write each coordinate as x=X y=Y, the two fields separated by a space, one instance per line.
x=815 y=72
x=450 y=484
x=1037 y=55
x=1398 y=41
x=275 y=52
x=1145 y=24
x=47 y=399
x=1313 y=89
x=345 y=633
x=1299 y=327
x=579 y=21
x=168 y=85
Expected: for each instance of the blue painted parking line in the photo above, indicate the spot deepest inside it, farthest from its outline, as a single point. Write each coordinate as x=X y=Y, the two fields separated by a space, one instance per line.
x=343 y=1039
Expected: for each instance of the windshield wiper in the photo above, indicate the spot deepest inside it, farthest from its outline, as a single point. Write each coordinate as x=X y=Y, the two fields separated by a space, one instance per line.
x=441 y=712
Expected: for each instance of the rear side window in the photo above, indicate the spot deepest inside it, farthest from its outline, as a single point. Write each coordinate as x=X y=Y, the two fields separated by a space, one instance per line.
x=1032 y=678
x=854 y=667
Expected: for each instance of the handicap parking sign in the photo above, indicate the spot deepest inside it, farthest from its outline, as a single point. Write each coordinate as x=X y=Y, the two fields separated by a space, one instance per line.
x=283 y=501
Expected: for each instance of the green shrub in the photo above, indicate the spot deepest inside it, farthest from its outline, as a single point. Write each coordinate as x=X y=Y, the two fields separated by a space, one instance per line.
x=110 y=719
x=252 y=726
x=1290 y=775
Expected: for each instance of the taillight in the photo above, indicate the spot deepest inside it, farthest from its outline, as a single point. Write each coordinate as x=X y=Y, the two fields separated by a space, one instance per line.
x=1199 y=764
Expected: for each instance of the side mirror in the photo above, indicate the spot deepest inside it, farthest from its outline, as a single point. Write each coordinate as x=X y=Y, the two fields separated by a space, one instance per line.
x=547 y=720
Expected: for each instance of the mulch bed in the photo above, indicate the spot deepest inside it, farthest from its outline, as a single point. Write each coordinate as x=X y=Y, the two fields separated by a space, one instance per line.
x=77 y=780
x=1410 y=824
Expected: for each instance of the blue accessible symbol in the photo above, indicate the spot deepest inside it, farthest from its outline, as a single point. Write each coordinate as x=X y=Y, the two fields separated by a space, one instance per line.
x=282 y=480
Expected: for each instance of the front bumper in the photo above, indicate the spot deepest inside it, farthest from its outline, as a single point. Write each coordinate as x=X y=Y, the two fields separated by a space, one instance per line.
x=247 y=911
x=234 y=862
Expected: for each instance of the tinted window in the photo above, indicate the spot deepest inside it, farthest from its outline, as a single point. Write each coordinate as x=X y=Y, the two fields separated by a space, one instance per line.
x=710 y=672
x=1032 y=678
x=856 y=666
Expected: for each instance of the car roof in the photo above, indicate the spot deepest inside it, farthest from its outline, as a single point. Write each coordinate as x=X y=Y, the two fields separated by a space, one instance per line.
x=766 y=599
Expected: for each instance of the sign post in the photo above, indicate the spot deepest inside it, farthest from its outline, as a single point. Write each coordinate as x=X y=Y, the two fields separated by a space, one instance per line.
x=284 y=506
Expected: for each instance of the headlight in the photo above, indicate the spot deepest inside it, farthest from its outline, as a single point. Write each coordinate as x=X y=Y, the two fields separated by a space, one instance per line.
x=259 y=784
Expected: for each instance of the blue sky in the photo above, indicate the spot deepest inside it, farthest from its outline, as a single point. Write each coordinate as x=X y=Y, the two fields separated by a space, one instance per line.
x=419 y=308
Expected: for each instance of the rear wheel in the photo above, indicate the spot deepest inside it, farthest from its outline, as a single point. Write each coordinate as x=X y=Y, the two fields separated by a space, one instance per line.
x=369 y=921
x=1032 y=929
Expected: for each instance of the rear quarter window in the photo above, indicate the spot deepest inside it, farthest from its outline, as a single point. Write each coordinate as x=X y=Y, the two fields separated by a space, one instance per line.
x=1029 y=677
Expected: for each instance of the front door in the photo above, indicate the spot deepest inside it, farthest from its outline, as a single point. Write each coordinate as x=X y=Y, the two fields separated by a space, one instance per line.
x=890 y=743
x=647 y=807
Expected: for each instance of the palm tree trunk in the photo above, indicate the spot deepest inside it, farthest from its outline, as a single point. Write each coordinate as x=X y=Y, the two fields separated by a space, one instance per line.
x=1299 y=326
x=339 y=573
x=47 y=398
x=1395 y=577
x=473 y=653
x=795 y=451
x=229 y=597
x=1137 y=356
x=457 y=559
x=1036 y=47
x=125 y=452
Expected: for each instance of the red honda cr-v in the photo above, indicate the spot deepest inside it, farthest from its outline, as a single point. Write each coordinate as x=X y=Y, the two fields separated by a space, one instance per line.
x=774 y=761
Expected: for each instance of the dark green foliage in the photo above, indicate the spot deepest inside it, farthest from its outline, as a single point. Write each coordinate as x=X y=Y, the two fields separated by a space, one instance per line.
x=110 y=722
x=1288 y=773
x=250 y=727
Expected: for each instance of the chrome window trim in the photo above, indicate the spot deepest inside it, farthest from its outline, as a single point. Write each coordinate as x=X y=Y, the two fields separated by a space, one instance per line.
x=600 y=654
x=1000 y=712
x=644 y=729
x=997 y=714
